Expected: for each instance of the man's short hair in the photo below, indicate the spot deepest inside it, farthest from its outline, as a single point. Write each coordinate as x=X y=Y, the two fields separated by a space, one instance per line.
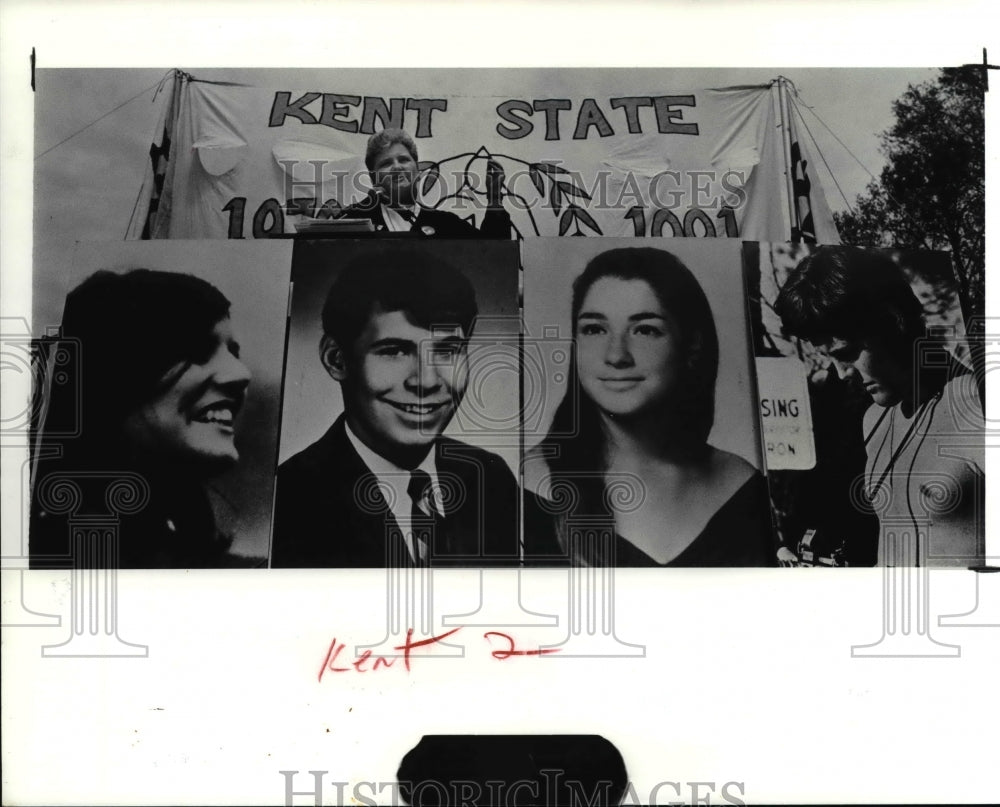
x=387 y=138
x=852 y=294
x=408 y=278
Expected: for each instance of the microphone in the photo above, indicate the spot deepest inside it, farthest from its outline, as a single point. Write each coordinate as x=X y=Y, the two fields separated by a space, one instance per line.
x=372 y=200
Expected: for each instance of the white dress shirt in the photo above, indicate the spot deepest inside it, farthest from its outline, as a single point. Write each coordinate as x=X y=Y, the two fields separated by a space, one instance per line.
x=395 y=481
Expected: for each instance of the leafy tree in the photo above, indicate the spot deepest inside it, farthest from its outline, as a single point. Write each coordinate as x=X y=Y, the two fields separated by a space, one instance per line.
x=931 y=192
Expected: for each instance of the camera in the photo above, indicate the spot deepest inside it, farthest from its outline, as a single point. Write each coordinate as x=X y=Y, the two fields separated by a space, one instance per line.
x=818 y=549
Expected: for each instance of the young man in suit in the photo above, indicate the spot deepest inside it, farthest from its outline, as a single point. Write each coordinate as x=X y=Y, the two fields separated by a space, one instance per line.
x=391 y=159
x=383 y=487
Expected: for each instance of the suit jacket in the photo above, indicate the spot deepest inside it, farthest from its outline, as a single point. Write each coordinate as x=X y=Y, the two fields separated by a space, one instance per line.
x=329 y=512
x=438 y=223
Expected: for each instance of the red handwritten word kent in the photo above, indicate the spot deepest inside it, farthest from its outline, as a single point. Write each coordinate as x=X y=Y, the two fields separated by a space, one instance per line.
x=361 y=663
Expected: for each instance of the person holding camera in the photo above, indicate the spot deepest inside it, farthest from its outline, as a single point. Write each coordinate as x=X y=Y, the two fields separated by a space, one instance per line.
x=924 y=432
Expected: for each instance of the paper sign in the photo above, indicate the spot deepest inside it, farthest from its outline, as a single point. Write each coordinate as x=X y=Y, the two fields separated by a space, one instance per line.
x=785 y=416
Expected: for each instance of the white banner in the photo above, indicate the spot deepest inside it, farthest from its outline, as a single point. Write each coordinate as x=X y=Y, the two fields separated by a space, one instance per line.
x=240 y=162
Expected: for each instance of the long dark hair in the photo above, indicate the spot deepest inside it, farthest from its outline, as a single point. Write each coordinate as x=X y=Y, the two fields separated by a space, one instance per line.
x=127 y=337
x=575 y=445
x=131 y=329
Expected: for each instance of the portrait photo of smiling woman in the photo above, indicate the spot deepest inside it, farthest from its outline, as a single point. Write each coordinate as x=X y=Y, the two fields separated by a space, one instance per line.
x=651 y=456
x=158 y=390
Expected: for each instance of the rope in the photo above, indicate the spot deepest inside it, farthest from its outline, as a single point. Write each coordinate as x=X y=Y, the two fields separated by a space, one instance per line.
x=823 y=158
x=98 y=120
x=833 y=134
x=899 y=205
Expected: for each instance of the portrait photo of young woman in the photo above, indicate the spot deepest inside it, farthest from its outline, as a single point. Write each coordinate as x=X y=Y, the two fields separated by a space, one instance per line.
x=157 y=424
x=651 y=457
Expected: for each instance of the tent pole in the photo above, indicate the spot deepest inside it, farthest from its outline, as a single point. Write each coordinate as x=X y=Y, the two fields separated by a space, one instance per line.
x=786 y=148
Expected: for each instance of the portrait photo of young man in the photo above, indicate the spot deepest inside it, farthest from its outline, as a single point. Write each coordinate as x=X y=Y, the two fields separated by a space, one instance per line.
x=384 y=486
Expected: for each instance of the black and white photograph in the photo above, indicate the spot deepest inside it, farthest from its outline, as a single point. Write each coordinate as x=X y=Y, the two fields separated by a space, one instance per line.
x=401 y=390
x=653 y=425
x=872 y=345
x=358 y=514
x=159 y=411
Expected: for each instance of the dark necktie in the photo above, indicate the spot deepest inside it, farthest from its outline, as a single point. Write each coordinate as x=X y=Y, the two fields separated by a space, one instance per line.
x=424 y=520
x=407 y=215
